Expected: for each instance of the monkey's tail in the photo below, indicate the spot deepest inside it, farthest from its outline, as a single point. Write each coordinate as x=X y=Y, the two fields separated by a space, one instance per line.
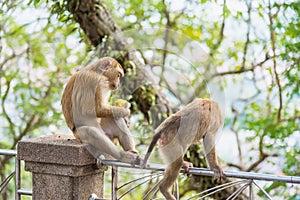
x=150 y=148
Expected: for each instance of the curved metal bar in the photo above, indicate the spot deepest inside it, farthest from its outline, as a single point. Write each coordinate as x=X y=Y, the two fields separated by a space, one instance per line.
x=239 y=191
x=219 y=187
x=154 y=188
x=6 y=181
x=129 y=182
x=268 y=196
x=129 y=190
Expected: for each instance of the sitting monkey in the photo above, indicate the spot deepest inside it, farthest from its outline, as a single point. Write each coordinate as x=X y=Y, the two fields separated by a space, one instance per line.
x=90 y=117
x=200 y=119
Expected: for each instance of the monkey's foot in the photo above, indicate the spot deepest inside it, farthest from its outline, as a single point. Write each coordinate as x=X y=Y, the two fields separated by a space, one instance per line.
x=139 y=160
x=133 y=151
x=186 y=165
x=218 y=175
x=132 y=158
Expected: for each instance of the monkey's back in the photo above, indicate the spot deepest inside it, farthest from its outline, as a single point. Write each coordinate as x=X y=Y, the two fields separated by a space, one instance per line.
x=200 y=116
x=66 y=103
x=78 y=100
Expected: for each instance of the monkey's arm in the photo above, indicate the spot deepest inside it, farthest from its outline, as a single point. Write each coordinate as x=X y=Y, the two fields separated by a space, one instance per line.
x=103 y=109
x=112 y=111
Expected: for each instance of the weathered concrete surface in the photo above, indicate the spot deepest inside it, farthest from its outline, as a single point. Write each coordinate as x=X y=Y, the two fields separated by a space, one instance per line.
x=62 y=168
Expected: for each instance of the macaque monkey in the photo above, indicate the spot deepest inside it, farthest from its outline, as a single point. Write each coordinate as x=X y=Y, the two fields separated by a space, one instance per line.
x=200 y=119
x=90 y=117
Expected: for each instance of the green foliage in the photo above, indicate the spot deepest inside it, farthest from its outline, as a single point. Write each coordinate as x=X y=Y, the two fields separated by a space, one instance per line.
x=38 y=55
x=31 y=80
x=143 y=98
x=34 y=2
x=292 y=165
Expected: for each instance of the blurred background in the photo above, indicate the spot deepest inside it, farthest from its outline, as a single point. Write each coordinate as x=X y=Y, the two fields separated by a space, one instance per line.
x=243 y=54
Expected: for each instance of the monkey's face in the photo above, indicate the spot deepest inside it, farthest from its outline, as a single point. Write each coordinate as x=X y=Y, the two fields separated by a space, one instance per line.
x=113 y=75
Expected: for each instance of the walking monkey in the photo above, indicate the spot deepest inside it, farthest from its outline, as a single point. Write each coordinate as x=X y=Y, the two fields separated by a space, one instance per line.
x=200 y=119
x=90 y=117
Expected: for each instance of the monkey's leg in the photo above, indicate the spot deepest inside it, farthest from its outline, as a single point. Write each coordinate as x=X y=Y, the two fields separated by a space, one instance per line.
x=211 y=156
x=96 y=137
x=118 y=128
x=125 y=136
x=170 y=176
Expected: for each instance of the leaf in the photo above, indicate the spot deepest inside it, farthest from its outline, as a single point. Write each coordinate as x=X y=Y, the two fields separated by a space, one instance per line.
x=237 y=68
x=35 y=2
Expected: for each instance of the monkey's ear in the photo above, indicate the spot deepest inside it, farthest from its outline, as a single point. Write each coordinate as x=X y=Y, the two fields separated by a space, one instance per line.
x=106 y=64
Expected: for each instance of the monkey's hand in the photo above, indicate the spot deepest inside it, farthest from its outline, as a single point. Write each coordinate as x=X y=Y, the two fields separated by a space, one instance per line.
x=120 y=112
x=218 y=174
x=122 y=103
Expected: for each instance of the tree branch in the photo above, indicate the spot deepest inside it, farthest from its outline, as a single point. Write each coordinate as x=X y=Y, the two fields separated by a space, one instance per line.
x=236 y=135
x=240 y=167
x=272 y=36
x=4 y=97
x=166 y=38
x=262 y=157
x=12 y=56
x=218 y=43
x=232 y=72
x=249 y=5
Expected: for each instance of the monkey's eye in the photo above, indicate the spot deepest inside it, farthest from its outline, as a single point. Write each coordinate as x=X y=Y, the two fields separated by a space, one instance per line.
x=119 y=75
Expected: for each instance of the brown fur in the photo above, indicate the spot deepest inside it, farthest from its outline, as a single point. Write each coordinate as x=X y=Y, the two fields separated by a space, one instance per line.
x=90 y=117
x=200 y=119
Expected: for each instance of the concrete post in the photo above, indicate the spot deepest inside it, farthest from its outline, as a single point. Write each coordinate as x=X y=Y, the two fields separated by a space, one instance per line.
x=61 y=168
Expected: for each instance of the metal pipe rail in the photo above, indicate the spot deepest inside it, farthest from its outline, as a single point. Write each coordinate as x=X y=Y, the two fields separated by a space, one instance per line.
x=249 y=181
x=158 y=167
x=7 y=152
x=207 y=172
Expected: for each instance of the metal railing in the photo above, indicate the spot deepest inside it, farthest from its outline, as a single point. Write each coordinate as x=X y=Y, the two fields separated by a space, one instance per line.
x=249 y=180
x=17 y=173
